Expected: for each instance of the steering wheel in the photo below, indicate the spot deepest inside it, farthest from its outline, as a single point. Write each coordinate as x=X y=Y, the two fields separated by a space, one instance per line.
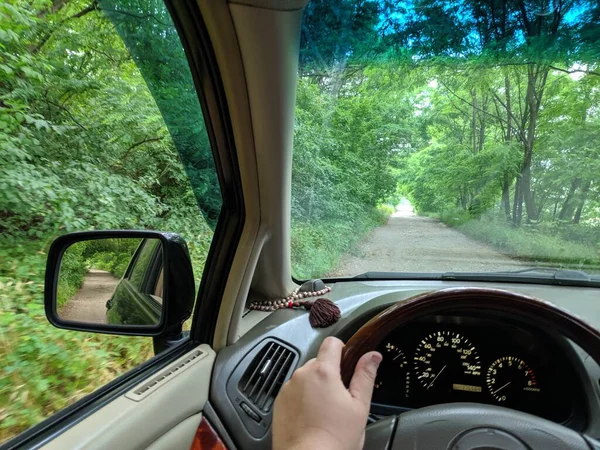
x=470 y=426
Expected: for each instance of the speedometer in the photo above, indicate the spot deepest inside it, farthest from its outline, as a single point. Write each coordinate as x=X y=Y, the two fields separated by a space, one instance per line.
x=446 y=361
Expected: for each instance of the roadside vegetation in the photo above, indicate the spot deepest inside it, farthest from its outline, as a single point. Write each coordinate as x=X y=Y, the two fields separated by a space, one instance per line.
x=548 y=244
x=111 y=255
x=483 y=114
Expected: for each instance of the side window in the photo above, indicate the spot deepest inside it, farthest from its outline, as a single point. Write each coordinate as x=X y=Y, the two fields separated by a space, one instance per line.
x=100 y=128
x=145 y=269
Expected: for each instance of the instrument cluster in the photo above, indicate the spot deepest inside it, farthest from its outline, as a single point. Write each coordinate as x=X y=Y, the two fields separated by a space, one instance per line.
x=462 y=359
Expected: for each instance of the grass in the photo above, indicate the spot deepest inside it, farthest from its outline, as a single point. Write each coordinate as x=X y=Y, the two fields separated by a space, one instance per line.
x=545 y=244
x=317 y=247
x=45 y=369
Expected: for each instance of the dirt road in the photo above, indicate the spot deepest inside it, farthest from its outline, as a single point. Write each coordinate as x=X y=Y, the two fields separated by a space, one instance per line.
x=89 y=304
x=410 y=243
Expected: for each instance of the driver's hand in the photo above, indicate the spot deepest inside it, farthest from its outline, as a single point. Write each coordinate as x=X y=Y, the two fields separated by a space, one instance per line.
x=314 y=410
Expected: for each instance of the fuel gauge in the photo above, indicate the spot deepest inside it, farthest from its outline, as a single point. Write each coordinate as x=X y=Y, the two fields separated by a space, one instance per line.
x=392 y=384
x=395 y=355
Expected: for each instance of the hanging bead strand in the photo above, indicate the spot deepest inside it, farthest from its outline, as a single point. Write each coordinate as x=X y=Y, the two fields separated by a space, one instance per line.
x=294 y=300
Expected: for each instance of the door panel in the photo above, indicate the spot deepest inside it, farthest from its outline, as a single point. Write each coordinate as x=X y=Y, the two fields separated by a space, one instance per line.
x=161 y=412
x=178 y=437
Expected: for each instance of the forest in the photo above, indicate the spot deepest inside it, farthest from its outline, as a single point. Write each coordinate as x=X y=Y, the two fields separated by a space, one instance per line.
x=484 y=113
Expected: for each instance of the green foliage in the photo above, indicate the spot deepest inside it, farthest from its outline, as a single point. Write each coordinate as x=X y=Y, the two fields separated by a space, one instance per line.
x=73 y=268
x=112 y=255
x=454 y=216
x=115 y=263
x=545 y=244
x=318 y=246
x=100 y=128
x=344 y=166
x=45 y=369
x=90 y=138
x=533 y=244
x=470 y=109
x=385 y=211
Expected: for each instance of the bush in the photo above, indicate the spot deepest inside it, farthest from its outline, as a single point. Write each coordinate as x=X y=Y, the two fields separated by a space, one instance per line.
x=115 y=263
x=45 y=369
x=317 y=246
x=534 y=244
x=455 y=217
x=73 y=268
x=384 y=211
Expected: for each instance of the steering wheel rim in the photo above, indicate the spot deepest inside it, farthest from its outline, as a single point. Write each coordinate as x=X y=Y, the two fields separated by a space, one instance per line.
x=456 y=417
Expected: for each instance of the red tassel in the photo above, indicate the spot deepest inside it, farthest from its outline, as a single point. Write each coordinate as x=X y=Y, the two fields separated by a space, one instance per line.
x=323 y=313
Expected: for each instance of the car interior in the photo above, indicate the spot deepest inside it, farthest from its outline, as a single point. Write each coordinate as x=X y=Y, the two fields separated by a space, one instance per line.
x=470 y=361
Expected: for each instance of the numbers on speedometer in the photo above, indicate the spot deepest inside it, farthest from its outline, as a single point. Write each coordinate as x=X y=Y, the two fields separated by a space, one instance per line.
x=446 y=361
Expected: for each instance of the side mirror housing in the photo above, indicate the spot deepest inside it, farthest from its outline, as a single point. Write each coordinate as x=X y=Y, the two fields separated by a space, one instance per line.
x=136 y=283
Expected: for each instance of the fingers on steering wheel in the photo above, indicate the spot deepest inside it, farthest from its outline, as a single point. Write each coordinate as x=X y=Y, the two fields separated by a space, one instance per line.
x=361 y=385
x=330 y=352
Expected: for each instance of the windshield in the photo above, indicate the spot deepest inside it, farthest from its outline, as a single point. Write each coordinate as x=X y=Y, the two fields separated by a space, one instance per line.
x=435 y=136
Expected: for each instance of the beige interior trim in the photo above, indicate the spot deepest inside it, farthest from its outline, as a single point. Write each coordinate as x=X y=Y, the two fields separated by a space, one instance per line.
x=219 y=25
x=260 y=89
x=180 y=437
x=271 y=78
x=126 y=424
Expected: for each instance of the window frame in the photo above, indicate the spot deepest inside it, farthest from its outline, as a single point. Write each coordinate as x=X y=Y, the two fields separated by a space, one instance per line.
x=207 y=78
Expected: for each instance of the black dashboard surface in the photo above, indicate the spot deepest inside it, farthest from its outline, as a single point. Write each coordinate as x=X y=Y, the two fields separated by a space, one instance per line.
x=458 y=358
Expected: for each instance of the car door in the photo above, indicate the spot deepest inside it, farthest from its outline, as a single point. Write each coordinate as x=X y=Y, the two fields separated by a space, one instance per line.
x=138 y=296
x=163 y=402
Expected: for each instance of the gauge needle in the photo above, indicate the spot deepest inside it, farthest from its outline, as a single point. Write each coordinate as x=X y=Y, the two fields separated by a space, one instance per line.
x=399 y=355
x=436 y=377
x=499 y=389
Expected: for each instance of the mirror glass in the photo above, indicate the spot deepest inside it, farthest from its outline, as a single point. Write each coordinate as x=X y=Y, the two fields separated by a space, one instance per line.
x=116 y=281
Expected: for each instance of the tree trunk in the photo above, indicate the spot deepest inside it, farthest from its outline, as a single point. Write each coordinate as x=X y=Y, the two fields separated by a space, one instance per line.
x=533 y=100
x=506 y=196
x=474 y=121
x=508 y=109
x=527 y=193
x=481 y=142
x=567 y=208
x=518 y=202
x=584 y=193
x=506 y=180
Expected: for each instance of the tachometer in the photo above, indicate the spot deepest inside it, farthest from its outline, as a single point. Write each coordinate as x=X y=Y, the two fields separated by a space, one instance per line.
x=446 y=361
x=509 y=377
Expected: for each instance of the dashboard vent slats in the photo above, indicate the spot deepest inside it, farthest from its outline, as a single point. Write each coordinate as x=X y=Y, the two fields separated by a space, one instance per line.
x=266 y=374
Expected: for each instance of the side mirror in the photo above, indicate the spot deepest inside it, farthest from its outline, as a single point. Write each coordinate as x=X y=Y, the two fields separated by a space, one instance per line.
x=137 y=283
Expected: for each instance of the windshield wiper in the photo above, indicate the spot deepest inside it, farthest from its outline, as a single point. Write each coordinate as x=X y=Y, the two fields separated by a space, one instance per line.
x=555 y=272
x=534 y=275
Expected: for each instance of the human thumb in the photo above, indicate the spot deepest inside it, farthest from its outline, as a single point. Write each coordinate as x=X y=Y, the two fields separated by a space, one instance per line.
x=363 y=380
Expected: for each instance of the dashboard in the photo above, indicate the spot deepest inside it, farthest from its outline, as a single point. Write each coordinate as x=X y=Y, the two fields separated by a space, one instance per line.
x=444 y=359
x=477 y=356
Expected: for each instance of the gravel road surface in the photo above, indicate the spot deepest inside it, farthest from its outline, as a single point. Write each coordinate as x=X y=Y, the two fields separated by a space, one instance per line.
x=411 y=243
x=89 y=304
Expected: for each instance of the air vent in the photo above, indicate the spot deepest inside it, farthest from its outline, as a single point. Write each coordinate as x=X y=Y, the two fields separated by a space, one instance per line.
x=262 y=380
x=143 y=390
